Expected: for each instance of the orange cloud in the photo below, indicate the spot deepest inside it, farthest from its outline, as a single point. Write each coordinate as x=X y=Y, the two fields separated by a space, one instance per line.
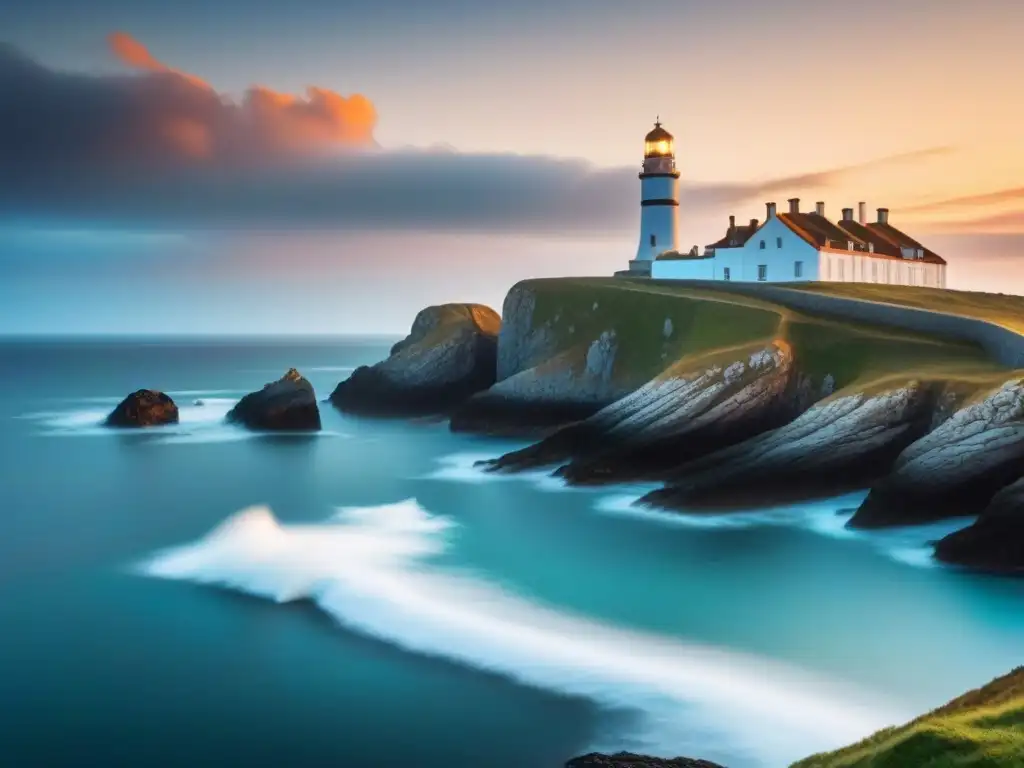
x=265 y=124
x=137 y=56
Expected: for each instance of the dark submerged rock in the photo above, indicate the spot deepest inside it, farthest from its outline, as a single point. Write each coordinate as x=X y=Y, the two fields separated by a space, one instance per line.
x=286 y=404
x=449 y=355
x=144 y=408
x=630 y=760
x=995 y=542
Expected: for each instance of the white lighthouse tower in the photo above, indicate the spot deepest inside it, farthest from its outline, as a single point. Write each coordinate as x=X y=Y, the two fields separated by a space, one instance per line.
x=659 y=200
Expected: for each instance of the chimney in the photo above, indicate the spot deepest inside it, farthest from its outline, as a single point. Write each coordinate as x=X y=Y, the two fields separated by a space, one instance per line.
x=847 y=214
x=883 y=215
x=732 y=224
x=819 y=208
x=862 y=213
x=871 y=247
x=753 y=224
x=771 y=210
x=794 y=205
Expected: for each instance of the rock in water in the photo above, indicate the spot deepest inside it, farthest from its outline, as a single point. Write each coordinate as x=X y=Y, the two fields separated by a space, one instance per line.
x=449 y=355
x=286 y=404
x=144 y=408
x=630 y=760
x=996 y=541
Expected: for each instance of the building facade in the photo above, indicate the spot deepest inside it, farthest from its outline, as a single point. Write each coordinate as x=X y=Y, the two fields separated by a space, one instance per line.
x=797 y=246
x=786 y=247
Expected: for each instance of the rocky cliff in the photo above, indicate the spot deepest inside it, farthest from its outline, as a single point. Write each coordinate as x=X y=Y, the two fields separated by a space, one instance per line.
x=733 y=401
x=956 y=468
x=568 y=348
x=449 y=354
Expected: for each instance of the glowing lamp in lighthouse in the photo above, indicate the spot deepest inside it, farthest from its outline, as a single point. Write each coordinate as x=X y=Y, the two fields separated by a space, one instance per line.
x=659 y=198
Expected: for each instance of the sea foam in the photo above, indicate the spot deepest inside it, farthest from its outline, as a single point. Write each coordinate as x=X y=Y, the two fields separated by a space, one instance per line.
x=373 y=570
x=910 y=545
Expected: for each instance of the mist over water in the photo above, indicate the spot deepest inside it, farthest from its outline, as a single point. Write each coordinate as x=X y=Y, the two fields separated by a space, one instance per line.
x=499 y=620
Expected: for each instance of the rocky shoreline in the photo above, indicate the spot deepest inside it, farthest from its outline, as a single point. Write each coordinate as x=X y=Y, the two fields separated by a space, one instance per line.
x=631 y=760
x=724 y=429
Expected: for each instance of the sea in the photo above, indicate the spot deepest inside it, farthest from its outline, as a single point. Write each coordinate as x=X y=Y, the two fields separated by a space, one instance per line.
x=200 y=595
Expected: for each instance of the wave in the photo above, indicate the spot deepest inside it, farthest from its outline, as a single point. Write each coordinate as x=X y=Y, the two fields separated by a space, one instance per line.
x=372 y=570
x=201 y=421
x=461 y=468
x=910 y=545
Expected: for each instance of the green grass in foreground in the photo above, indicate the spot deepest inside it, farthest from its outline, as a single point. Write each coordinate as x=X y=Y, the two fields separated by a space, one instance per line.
x=981 y=729
x=705 y=321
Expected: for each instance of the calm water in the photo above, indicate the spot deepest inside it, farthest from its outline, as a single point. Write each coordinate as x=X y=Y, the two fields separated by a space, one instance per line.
x=197 y=595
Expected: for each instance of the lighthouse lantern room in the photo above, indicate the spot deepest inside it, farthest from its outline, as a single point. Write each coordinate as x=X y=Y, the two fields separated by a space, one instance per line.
x=659 y=200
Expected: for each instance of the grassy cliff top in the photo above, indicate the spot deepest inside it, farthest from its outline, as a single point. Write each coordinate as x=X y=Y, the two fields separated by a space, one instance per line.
x=1000 y=308
x=981 y=729
x=658 y=325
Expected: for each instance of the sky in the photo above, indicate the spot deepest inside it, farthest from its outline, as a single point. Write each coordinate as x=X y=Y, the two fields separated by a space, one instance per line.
x=332 y=166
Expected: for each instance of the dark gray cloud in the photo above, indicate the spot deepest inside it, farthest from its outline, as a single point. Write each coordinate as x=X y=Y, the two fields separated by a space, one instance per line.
x=162 y=149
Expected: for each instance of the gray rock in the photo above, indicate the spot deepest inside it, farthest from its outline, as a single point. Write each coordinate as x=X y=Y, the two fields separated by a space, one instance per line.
x=286 y=404
x=995 y=542
x=144 y=408
x=955 y=469
x=836 y=445
x=450 y=354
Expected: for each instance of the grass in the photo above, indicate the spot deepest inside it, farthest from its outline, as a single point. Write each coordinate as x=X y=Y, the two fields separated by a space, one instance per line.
x=1003 y=309
x=704 y=320
x=981 y=729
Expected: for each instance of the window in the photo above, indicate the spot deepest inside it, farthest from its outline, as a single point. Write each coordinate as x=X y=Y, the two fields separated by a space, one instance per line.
x=762 y=245
x=654 y=240
x=798 y=269
x=725 y=273
x=762 y=271
x=874 y=271
x=841 y=266
x=778 y=242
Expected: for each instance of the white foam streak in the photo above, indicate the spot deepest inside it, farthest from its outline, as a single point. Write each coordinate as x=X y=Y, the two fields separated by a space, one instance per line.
x=370 y=568
x=460 y=468
x=910 y=545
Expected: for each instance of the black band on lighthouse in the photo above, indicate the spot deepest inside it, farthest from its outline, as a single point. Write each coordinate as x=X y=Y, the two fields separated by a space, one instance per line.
x=659 y=201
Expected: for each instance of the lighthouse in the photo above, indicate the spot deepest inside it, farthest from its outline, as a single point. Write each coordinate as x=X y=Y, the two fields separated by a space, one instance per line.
x=659 y=200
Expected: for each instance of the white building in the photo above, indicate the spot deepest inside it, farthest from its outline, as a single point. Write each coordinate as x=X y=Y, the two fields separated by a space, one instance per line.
x=787 y=247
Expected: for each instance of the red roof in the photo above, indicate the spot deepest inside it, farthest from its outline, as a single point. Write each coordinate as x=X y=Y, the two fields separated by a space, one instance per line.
x=736 y=236
x=824 y=234
x=902 y=240
x=865 y=235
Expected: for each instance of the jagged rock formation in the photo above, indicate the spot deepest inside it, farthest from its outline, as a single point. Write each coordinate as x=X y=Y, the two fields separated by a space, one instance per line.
x=144 y=408
x=630 y=760
x=995 y=542
x=840 y=444
x=955 y=469
x=539 y=382
x=286 y=404
x=449 y=354
x=682 y=413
